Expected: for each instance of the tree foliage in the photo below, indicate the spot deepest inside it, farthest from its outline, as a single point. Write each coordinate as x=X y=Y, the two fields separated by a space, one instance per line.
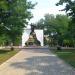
x=56 y=25
x=70 y=6
x=70 y=9
x=14 y=15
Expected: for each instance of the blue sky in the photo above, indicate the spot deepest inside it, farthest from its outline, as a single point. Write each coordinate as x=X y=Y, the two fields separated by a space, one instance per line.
x=43 y=7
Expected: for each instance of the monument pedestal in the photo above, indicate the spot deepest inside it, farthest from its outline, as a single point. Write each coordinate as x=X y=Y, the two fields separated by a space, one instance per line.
x=33 y=41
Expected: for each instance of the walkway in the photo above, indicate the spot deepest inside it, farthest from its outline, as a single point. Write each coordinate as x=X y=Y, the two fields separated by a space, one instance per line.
x=35 y=62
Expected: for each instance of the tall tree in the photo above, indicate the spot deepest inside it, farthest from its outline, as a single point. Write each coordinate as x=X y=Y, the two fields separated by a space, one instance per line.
x=56 y=26
x=14 y=15
x=70 y=9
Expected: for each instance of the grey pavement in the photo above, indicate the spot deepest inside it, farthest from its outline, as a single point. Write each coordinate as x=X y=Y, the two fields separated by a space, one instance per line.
x=38 y=61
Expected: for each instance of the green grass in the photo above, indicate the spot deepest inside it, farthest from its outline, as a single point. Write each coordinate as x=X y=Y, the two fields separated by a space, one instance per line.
x=67 y=55
x=6 y=54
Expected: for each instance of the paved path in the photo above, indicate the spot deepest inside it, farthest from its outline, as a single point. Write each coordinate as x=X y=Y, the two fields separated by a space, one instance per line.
x=35 y=62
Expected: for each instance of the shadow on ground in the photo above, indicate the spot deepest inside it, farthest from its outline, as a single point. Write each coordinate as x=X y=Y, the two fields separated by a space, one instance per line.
x=43 y=65
x=38 y=50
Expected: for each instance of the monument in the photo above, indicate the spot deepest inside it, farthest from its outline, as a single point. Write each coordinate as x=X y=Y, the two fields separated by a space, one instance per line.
x=32 y=37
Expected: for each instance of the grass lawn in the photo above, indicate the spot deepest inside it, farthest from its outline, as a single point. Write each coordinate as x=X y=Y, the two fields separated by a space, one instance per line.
x=67 y=55
x=6 y=54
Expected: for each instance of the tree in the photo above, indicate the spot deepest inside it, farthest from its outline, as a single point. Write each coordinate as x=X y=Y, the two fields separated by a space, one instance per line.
x=70 y=6
x=40 y=24
x=56 y=25
x=70 y=9
x=14 y=15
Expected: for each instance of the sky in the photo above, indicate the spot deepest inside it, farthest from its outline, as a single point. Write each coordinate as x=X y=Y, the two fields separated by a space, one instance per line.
x=43 y=7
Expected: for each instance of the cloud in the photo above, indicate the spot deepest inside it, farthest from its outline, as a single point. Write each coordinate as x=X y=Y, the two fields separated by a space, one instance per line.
x=39 y=13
